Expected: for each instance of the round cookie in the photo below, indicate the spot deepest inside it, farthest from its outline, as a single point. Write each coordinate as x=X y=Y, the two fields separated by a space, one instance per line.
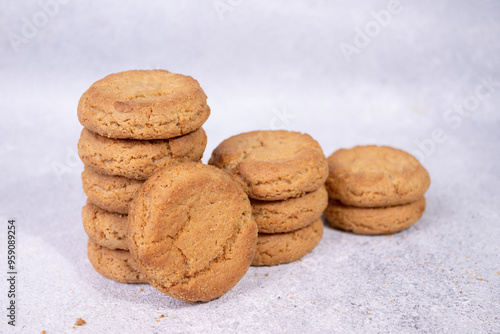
x=116 y=265
x=151 y=104
x=375 y=176
x=106 y=228
x=373 y=221
x=290 y=214
x=191 y=232
x=112 y=193
x=138 y=159
x=273 y=165
x=280 y=248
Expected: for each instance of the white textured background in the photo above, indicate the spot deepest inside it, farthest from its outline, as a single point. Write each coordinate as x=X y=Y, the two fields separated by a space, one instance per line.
x=257 y=60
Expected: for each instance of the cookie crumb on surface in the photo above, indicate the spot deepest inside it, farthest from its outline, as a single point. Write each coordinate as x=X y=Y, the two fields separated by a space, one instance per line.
x=44 y=332
x=80 y=322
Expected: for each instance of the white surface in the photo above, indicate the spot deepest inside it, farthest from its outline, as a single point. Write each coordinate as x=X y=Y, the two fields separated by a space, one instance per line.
x=263 y=58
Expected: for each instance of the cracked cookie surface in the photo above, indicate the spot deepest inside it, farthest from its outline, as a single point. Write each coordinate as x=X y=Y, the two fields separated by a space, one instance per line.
x=144 y=104
x=112 y=193
x=106 y=228
x=191 y=232
x=280 y=248
x=115 y=264
x=373 y=221
x=273 y=165
x=290 y=214
x=375 y=176
x=138 y=159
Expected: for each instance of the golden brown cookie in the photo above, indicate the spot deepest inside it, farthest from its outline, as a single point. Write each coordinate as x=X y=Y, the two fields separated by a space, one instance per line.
x=114 y=264
x=106 y=228
x=191 y=231
x=154 y=104
x=279 y=248
x=112 y=193
x=290 y=214
x=273 y=165
x=375 y=176
x=138 y=159
x=382 y=220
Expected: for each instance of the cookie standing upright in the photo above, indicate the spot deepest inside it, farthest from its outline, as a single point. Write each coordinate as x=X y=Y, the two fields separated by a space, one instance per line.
x=375 y=189
x=191 y=232
x=283 y=173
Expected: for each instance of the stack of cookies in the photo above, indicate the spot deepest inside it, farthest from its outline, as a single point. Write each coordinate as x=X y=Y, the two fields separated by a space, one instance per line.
x=283 y=174
x=135 y=123
x=375 y=190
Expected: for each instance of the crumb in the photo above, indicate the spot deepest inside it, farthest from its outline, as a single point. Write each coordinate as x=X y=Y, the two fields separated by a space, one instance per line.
x=157 y=320
x=367 y=313
x=266 y=275
x=314 y=303
x=141 y=289
x=461 y=291
x=407 y=293
x=291 y=297
x=44 y=332
x=80 y=322
x=162 y=316
x=73 y=327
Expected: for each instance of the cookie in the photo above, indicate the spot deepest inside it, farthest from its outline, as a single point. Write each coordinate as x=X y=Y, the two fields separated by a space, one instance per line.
x=138 y=159
x=112 y=193
x=114 y=264
x=375 y=176
x=273 y=165
x=106 y=228
x=191 y=232
x=290 y=214
x=280 y=248
x=154 y=104
x=382 y=220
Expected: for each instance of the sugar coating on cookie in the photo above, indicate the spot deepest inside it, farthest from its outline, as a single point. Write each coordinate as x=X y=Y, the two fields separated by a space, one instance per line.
x=191 y=232
x=114 y=264
x=144 y=104
x=289 y=214
x=106 y=228
x=112 y=193
x=374 y=221
x=374 y=176
x=273 y=165
x=138 y=159
x=280 y=248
